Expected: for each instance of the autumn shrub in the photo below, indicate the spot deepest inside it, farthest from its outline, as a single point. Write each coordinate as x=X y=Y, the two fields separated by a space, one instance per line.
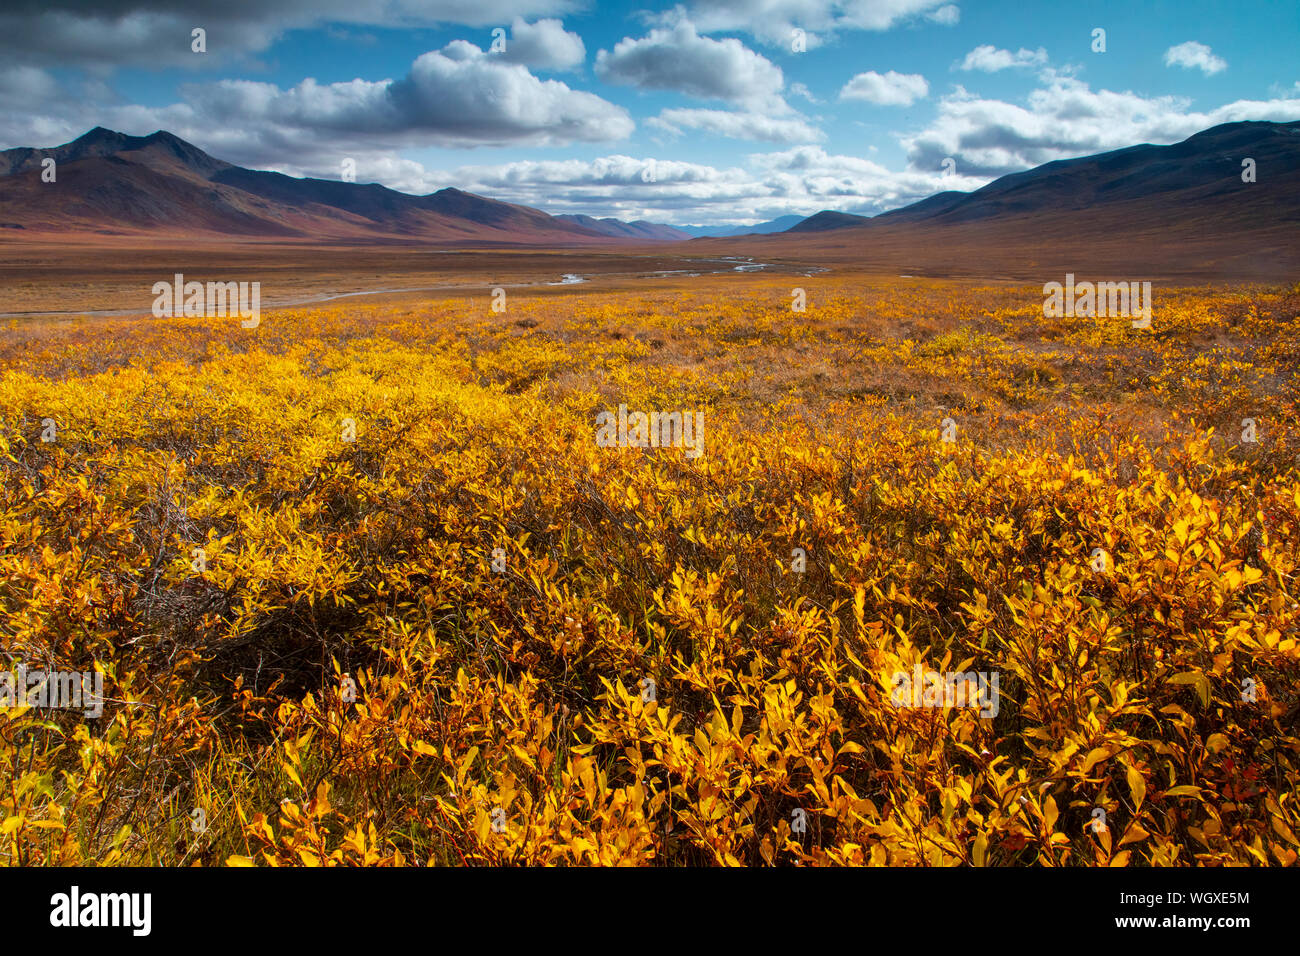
x=364 y=589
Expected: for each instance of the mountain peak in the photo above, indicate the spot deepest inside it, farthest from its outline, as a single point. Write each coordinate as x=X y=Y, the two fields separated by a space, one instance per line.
x=126 y=184
x=100 y=136
x=101 y=142
x=827 y=219
x=186 y=152
x=162 y=136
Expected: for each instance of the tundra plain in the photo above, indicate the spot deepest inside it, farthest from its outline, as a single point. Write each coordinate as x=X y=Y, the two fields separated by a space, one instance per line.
x=365 y=589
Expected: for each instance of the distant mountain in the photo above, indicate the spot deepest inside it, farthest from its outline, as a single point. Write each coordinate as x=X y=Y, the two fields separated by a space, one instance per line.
x=779 y=224
x=828 y=219
x=640 y=229
x=1172 y=211
x=1200 y=174
x=111 y=183
x=1180 y=210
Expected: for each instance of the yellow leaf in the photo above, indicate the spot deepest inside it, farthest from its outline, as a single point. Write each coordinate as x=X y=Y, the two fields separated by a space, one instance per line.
x=1094 y=755
x=1134 y=834
x=322 y=799
x=1136 y=785
x=1050 y=813
x=1283 y=830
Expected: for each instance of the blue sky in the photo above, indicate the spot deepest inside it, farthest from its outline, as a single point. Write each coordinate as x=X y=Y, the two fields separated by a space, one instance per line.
x=694 y=113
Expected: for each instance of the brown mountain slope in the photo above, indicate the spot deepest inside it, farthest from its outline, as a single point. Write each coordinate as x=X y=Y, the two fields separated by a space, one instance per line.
x=1180 y=211
x=149 y=186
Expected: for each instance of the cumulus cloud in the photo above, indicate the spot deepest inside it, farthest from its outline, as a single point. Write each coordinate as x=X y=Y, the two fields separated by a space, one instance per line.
x=106 y=33
x=814 y=177
x=887 y=89
x=739 y=125
x=772 y=21
x=1064 y=119
x=989 y=59
x=803 y=180
x=544 y=45
x=457 y=97
x=677 y=58
x=464 y=98
x=1195 y=56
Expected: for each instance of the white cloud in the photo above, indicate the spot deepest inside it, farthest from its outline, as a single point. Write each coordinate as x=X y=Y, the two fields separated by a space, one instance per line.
x=1195 y=56
x=888 y=89
x=799 y=89
x=987 y=137
x=544 y=45
x=458 y=97
x=989 y=59
x=802 y=180
x=772 y=21
x=677 y=58
x=739 y=125
x=946 y=15
x=1065 y=119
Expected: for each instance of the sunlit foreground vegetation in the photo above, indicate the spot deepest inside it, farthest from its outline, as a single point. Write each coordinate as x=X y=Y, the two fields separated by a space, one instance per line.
x=499 y=714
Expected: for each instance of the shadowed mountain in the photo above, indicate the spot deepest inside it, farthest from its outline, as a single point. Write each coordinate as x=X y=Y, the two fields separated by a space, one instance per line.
x=930 y=206
x=1145 y=211
x=828 y=219
x=108 y=183
x=1200 y=176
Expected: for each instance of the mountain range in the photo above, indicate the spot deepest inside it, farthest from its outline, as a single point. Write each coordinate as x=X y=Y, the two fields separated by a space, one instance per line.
x=1188 y=207
x=618 y=229
x=1223 y=203
x=779 y=224
x=109 y=183
x=1202 y=172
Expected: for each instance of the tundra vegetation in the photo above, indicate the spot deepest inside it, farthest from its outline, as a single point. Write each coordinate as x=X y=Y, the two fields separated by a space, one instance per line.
x=426 y=637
